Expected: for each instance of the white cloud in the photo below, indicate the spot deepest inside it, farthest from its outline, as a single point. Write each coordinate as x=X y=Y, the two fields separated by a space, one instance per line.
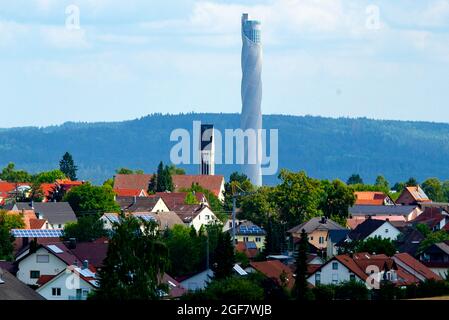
x=61 y=37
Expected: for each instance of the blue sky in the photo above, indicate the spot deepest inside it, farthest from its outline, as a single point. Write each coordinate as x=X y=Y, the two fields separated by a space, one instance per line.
x=135 y=57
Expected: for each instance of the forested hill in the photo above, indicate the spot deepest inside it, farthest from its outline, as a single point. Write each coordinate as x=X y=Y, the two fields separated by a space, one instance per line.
x=323 y=147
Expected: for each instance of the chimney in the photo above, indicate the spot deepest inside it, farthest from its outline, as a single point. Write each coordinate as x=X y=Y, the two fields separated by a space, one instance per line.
x=85 y=264
x=32 y=204
x=134 y=199
x=72 y=243
x=323 y=220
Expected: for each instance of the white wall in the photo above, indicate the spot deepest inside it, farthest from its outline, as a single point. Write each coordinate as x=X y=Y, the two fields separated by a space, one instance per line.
x=66 y=285
x=201 y=218
x=342 y=274
x=160 y=206
x=385 y=231
x=53 y=267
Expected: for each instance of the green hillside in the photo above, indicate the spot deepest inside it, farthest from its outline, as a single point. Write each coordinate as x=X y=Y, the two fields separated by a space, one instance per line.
x=324 y=147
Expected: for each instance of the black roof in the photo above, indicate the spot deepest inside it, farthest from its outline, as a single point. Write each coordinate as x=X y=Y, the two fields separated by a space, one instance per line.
x=54 y=212
x=362 y=210
x=364 y=229
x=336 y=236
x=409 y=240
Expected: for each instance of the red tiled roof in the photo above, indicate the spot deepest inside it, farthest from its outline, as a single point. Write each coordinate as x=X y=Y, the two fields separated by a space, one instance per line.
x=131 y=192
x=250 y=253
x=172 y=199
x=417 y=266
x=273 y=270
x=141 y=181
x=43 y=279
x=369 y=197
x=37 y=223
x=93 y=252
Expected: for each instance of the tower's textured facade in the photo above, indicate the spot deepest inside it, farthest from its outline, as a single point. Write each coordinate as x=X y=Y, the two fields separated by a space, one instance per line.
x=252 y=96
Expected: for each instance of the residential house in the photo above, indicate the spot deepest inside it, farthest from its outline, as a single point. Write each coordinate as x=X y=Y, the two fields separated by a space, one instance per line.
x=371 y=228
x=172 y=199
x=72 y=283
x=48 y=260
x=412 y=195
x=249 y=232
x=61 y=186
x=142 y=204
x=436 y=257
x=12 y=288
x=165 y=220
x=175 y=289
x=409 y=240
x=317 y=230
x=213 y=183
x=51 y=258
x=397 y=213
x=275 y=270
x=197 y=281
x=434 y=217
x=333 y=238
x=372 y=198
x=58 y=214
x=401 y=270
x=195 y=215
x=9 y=190
x=227 y=225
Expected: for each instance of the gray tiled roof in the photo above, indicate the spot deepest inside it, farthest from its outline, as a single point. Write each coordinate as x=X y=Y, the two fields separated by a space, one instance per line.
x=362 y=210
x=54 y=212
x=316 y=224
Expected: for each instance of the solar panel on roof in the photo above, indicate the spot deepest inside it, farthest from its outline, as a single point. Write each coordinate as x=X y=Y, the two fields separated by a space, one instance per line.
x=36 y=233
x=251 y=245
x=145 y=217
x=55 y=249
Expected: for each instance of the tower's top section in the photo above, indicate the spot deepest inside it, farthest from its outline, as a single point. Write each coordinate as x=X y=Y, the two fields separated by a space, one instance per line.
x=251 y=28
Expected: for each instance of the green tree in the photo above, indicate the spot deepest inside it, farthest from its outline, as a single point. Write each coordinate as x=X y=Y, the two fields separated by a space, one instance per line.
x=411 y=182
x=190 y=198
x=174 y=170
x=68 y=167
x=336 y=200
x=128 y=171
x=10 y=174
x=224 y=258
x=258 y=206
x=301 y=285
x=275 y=237
x=135 y=261
x=233 y=288
x=355 y=179
x=432 y=238
x=49 y=176
x=87 y=228
x=238 y=182
x=352 y=290
x=214 y=203
x=382 y=183
x=445 y=187
x=297 y=197
x=434 y=190
x=162 y=180
x=89 y=199
x=399 y=186
x=376 y=245
x=8 y=222
x=185 y=254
